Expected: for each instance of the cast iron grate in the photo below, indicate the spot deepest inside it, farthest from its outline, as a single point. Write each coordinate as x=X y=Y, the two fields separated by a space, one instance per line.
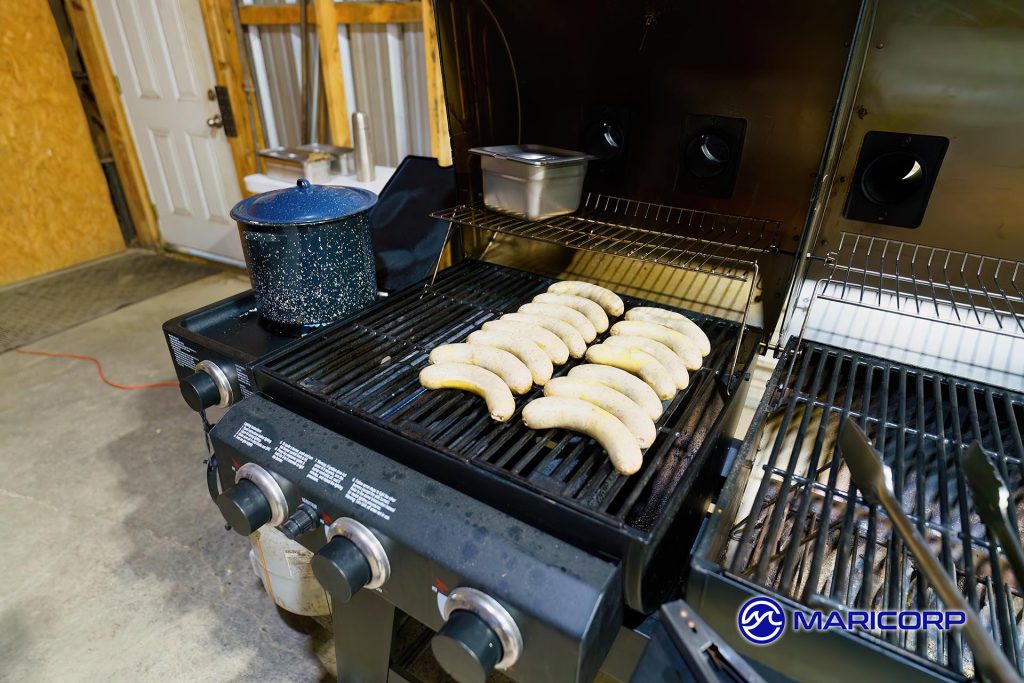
x=369 y=367
x=804 y=539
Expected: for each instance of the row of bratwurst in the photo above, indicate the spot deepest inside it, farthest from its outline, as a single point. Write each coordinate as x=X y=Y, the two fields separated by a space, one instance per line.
x=615 y=397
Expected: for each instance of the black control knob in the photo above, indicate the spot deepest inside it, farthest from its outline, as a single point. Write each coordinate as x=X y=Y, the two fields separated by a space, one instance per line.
x=466 y=647
x=341 y=568
x=199 y=391
x=245 y=507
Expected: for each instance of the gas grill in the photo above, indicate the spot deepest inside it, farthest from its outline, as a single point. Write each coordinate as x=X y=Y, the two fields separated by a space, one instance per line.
x=361 y=378
x=798 y=197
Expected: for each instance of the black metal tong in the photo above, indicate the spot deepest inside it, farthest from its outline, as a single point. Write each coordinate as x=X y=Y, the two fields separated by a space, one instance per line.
x=874 y=480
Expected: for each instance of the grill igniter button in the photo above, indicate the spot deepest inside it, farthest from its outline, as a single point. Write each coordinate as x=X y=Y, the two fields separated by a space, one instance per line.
x=305 y=518
x=352 y=559
x=479 y=635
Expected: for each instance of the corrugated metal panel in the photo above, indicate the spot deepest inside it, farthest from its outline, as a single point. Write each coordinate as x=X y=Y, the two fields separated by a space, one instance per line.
x=384 y=71
x=414 y=62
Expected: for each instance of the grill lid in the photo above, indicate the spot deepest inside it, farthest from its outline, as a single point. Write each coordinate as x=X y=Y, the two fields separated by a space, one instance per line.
x=304 y=204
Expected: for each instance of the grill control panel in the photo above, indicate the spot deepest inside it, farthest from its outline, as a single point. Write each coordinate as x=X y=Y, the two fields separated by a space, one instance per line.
x=446 y=559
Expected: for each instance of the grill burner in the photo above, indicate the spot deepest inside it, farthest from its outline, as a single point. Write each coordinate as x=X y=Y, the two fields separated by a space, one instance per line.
x=802 y=539
x=361 y=376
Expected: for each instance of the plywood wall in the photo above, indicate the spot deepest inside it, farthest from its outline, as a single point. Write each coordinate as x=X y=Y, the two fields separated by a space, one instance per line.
x=55 y=208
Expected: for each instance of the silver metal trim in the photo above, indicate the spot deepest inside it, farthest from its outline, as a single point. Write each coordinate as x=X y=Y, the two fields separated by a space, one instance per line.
x=368 y=544
x=496 y=616
x=220 y=378
x=269 y=487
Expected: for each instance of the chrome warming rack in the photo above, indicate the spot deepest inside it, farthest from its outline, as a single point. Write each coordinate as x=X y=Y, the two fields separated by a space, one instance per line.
x=959 y=288
x=953 y=287
x=718 y=245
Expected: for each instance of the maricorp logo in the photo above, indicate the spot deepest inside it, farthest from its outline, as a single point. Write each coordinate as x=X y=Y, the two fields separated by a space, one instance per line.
x=761 y=620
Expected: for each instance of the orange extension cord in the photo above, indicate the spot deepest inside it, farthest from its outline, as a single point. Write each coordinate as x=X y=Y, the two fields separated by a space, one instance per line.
x=99 y=369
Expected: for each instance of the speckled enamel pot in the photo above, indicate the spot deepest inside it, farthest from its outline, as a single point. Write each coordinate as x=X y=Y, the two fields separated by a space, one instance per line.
x=309 y=253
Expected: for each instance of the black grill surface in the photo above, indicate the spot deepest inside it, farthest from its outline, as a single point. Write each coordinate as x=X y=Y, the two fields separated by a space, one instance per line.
x=810 y=537
x=364 y=372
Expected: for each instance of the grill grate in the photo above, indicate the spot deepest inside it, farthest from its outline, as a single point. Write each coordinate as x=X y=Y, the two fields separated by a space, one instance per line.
x=804 y=540
x=369 y=367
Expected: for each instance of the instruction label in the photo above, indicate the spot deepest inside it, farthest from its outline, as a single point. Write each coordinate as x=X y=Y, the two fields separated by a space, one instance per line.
x=244 y=381
x=298 y=562
x=184 y=355
x=285 y=452
x=369 y=498
x=327 y=474
x=251 y=435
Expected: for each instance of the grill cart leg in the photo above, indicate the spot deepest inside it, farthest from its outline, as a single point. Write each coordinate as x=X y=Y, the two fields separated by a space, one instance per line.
x=362 y=637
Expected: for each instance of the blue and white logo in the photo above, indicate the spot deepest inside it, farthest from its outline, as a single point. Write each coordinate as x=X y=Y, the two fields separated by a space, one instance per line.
x=761 y=620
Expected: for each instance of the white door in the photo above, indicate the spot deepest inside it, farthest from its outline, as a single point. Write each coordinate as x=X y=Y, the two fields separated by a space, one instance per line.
x=159 y=53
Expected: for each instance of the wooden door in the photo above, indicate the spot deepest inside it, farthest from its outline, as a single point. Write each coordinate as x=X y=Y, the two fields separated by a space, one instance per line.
x=158 y=51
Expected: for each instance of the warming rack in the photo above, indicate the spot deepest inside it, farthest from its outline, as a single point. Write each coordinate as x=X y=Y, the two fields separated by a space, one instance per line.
x=952 y=287
x=720 y=245
x=958 y=288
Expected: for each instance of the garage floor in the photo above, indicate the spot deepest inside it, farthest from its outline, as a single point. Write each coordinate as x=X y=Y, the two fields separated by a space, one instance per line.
x=114 y=563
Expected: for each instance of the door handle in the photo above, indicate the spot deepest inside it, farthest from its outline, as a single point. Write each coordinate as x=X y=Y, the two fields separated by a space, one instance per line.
x=215 y=121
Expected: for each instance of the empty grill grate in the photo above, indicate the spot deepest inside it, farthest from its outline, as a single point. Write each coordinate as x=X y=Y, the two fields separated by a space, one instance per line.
x=802 y=537
x=369 y=367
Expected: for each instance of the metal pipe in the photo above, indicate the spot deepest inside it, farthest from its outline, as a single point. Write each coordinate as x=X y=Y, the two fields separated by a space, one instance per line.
x=248 y=86
x=841 y=116
x=361 y=140
x=304 y=134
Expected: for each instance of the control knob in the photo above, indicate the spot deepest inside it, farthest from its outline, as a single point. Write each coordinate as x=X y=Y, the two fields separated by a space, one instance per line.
x=353 y=558
x=207 y=387
x=255 y=499
x=478 y=635
x=244 y=507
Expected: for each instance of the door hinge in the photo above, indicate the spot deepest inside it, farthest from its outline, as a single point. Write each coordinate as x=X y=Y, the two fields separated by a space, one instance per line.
x=117 y=84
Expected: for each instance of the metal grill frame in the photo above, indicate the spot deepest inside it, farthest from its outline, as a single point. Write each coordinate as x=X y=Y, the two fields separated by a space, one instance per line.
x=699 y=413
x=860 y=655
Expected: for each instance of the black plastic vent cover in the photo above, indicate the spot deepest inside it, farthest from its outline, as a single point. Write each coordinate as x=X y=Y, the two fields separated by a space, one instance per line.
x=894 y=178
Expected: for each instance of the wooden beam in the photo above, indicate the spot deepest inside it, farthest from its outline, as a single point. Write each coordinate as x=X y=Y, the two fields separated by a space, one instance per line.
x=227 y=67
x=82 y=14
x=437 y=112
x=344 y=13
x=330 y=65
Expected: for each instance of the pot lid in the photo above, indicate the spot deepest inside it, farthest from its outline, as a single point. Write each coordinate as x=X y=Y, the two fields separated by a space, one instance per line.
x=303 y=204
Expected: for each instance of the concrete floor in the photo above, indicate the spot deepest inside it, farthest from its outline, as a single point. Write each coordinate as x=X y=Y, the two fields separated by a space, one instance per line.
x=114 y=564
